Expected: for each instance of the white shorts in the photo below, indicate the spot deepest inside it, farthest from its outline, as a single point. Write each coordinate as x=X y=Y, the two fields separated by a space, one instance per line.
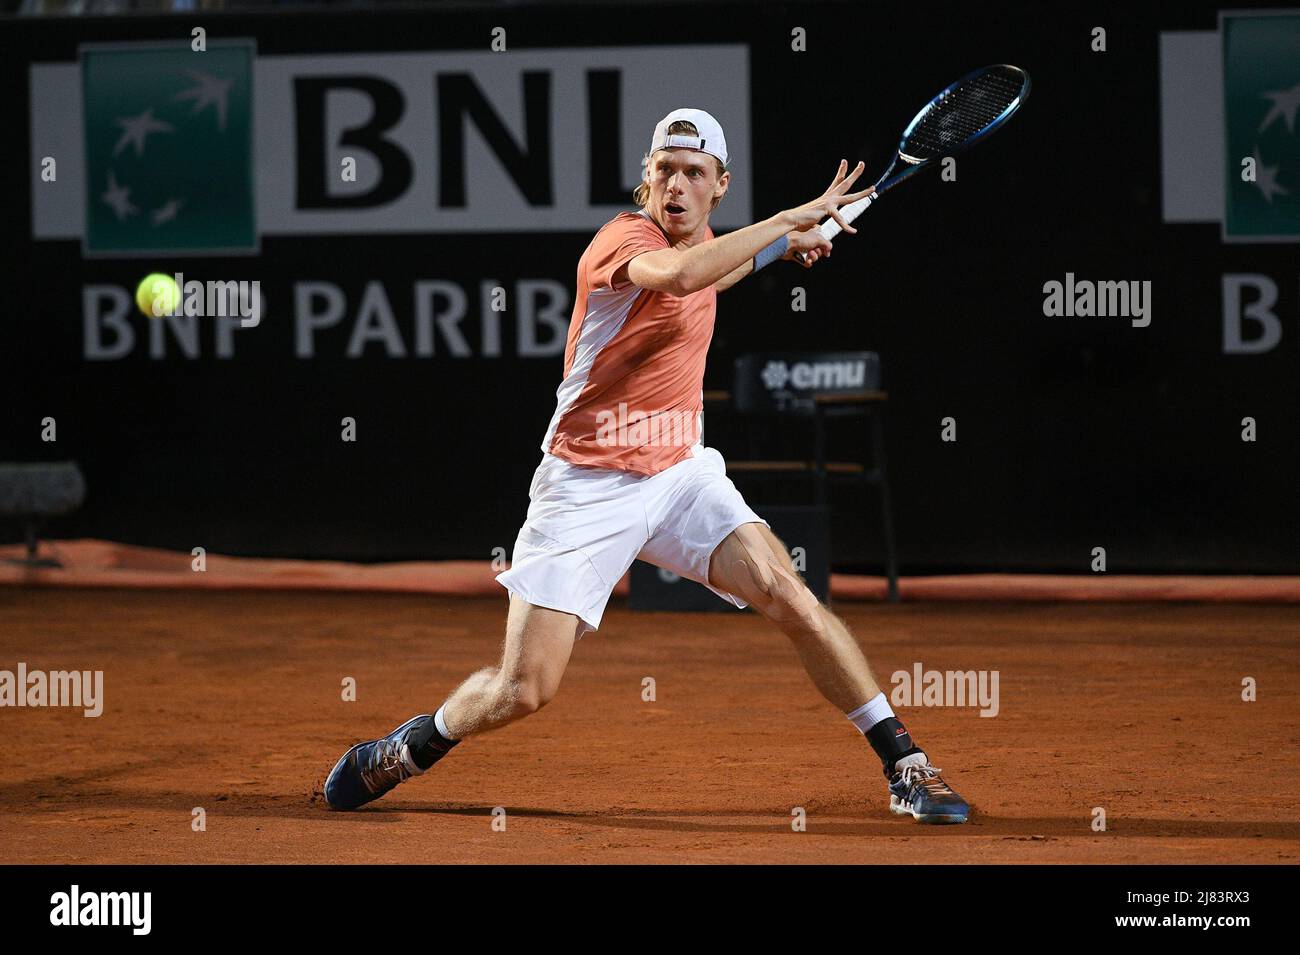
x=586 y=525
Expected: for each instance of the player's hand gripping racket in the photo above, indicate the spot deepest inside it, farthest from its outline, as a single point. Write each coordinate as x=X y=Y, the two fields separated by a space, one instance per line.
x=961 y=116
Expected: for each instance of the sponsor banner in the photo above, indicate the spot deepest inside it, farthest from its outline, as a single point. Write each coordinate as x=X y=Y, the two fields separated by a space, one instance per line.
x=169 y=149
x=1261 y=96
x=1230 y=145
x=202 y=153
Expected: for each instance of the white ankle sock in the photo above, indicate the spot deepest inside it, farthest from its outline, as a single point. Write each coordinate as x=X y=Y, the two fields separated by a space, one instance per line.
x=870 y=713
x=441 y=724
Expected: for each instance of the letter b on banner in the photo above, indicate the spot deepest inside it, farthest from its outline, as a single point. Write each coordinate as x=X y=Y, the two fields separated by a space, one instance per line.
x=1259 y=311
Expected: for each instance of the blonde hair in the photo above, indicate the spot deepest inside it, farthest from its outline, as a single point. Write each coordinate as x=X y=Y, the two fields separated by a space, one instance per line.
x=641 y=194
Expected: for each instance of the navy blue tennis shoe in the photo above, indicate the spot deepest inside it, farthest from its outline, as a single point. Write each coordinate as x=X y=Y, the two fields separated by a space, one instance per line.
x=917 y=789
x=368 y=770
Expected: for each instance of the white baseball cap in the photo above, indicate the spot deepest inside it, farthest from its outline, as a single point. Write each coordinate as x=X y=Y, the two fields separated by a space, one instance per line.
x=710 y=140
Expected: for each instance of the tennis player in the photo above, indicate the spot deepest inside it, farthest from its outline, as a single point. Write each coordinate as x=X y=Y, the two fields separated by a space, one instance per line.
x=624 y=475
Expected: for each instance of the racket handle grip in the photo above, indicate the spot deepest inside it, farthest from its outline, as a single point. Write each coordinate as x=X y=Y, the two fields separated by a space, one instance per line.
x=830 y=228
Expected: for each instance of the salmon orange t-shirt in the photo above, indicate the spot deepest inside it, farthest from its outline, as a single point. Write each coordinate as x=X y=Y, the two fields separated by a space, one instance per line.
x=632 y=394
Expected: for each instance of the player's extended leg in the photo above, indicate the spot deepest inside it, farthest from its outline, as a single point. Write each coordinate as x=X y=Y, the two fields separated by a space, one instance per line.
x=537 y=646
x=753 y=564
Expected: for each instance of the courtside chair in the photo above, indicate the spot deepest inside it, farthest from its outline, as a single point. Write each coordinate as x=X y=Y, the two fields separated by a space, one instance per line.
x=818 y=388
x=32 y=493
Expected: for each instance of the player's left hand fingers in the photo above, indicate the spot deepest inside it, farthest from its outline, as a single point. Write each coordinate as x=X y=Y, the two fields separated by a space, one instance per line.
x=855 y=196
x=839 y=175
x=850 y=179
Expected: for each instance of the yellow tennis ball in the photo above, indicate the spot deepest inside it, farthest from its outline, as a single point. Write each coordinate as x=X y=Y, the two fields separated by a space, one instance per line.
x=157 y=295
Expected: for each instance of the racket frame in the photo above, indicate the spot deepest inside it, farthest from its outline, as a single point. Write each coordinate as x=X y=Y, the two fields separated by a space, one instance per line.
x=830 y=228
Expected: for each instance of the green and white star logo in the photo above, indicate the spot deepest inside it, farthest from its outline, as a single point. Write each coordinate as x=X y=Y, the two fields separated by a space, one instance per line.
x=1261 y=97
x=169 y=149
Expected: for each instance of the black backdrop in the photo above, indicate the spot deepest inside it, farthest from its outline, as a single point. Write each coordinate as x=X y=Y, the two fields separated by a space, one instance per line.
x=1073 y=433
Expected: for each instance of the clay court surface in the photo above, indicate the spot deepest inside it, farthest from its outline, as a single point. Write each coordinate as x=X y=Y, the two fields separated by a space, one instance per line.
x=230 y=701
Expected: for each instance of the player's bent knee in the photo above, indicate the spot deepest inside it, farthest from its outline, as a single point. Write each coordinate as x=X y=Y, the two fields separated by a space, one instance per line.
x=528 y=694
x=761 y=579
x=525 y=704
x=529 y=700
x=796 y=612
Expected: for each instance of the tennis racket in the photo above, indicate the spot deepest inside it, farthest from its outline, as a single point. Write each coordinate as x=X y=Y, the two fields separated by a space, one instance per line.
x=965 y=113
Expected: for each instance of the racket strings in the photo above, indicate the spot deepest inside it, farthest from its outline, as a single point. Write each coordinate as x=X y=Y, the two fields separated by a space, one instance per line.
x=964 y=113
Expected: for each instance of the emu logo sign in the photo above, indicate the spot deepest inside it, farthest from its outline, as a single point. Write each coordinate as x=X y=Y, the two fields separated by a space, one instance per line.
x=814 y=375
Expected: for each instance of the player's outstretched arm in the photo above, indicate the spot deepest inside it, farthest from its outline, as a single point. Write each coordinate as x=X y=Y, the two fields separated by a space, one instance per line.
x=682 y=272
x=811 y=243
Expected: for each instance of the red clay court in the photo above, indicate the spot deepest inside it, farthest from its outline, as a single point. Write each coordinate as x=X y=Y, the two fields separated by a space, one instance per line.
x=231 y=701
